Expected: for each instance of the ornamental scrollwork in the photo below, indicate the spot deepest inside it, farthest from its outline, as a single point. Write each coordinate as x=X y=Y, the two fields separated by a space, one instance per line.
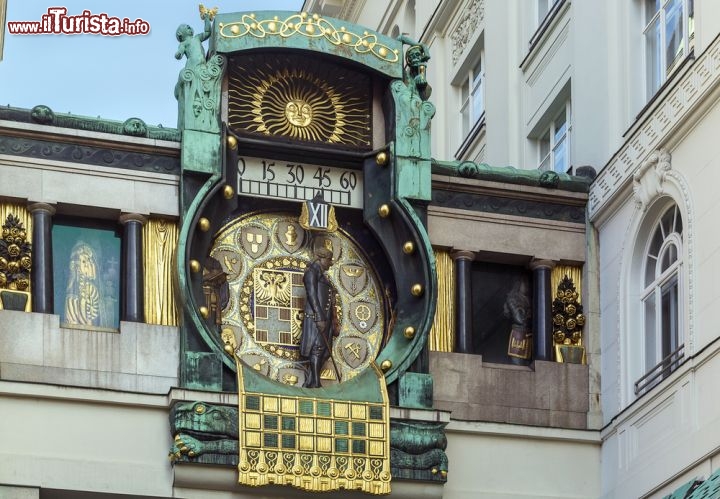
x=311 y=26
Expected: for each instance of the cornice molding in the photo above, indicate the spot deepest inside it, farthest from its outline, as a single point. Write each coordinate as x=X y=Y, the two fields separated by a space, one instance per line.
x=663 y=120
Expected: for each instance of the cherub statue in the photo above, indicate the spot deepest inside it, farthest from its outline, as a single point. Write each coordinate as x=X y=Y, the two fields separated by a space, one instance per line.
x=191 y=44
x=198 y=87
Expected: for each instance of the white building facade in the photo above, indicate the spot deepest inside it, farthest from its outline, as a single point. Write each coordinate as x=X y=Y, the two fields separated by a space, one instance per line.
x=629 y=87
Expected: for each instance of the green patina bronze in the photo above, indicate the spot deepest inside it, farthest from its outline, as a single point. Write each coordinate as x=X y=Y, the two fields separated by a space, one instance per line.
x=201 y=152
x=198 y=95
x=698 y=488
x=417 y=450
x=289 y=30
x=198 y=86
x=43 y=115
x=191 y=203
x=204 y=433
x=413 y=113
x=415 y=390
x=511 y=175
x=208 y=433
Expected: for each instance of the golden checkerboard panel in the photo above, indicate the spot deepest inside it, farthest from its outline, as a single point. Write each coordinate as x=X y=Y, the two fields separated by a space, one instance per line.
x=332 y=444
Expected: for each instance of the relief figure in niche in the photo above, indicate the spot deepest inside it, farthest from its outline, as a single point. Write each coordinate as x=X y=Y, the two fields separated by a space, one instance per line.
x=85 y=304
x=518 y=308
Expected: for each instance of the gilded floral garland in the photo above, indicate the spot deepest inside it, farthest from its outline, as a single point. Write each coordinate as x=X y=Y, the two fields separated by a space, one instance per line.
x=312 y=27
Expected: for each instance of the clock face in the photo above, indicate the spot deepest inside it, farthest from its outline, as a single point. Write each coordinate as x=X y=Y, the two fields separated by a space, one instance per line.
x=265 y=257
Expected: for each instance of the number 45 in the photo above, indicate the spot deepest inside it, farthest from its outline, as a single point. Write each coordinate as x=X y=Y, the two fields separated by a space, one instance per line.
x=322 y=177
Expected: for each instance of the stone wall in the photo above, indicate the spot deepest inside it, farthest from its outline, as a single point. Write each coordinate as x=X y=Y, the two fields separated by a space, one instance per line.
x=137 y=358
x=548 y=394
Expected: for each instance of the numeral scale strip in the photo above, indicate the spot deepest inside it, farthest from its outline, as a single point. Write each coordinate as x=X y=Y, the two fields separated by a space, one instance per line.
x=293 y=192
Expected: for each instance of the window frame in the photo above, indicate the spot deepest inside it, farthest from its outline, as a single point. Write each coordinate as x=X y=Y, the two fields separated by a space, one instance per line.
x=550 y=131
x=475 y=85
x=662 y=348
x=657 y=71
x=543 y=8
x=543 y=19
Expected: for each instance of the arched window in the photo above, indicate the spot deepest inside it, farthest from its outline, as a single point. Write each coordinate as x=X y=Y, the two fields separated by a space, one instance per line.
x=660 y=296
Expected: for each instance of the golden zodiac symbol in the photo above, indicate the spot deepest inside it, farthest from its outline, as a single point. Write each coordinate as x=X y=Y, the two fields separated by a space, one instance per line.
x=290 y=235
x=354 y=348
x=353 y=271
x=230 y=263
x=363 y=312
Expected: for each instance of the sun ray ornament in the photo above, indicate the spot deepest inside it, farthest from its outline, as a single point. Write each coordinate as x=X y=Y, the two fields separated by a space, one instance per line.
x=289 y=97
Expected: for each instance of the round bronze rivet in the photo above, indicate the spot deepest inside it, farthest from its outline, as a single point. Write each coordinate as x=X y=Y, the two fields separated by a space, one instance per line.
x=381 y=158
x=408 y=248
x=232 y=142
x=416 y=290
x=409 y=332
x=228 y=192
x=386 y=365
x=204 y=224
x=384 y=210
x=194 y=265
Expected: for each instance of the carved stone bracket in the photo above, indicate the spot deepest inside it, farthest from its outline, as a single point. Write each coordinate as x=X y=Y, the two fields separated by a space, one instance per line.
x=649 y=179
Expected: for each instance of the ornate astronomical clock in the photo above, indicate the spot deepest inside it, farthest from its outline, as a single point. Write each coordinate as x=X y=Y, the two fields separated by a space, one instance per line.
x=305 y=270
x=265 y=257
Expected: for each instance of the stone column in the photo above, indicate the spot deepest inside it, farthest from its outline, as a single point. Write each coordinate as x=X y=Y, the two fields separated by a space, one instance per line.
x=542 y=309
x=132 y=285
x=41 y=275
x=463 y=301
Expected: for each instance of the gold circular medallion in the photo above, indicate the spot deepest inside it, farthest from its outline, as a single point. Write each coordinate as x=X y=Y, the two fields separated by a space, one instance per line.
x=266 y=307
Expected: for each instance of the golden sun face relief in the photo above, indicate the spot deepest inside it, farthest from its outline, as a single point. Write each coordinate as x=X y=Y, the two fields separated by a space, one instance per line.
x=299 y=99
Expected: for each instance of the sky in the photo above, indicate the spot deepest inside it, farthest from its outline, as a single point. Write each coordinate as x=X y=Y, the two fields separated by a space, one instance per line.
x=115 y=77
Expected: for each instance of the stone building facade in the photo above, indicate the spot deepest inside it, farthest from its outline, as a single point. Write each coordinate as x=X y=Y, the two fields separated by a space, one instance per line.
x=572 y=352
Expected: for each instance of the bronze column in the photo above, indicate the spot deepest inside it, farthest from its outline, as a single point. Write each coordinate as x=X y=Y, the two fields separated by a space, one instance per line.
x=542 y=309
x=41 y=277
x=132 y=286
x=463 y=301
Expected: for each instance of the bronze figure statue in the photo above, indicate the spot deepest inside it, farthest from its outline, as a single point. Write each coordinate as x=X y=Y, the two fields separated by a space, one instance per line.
x=318 y=328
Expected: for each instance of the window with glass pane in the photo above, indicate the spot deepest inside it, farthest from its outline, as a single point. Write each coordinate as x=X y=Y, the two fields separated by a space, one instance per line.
x=553 y=144
x=661 y=298
x=471 y=95
x=669 y=31
x=542 y=10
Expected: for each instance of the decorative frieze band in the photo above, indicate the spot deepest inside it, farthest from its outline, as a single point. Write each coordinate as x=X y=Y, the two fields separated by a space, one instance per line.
x=471 y=17
x=695 y=85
